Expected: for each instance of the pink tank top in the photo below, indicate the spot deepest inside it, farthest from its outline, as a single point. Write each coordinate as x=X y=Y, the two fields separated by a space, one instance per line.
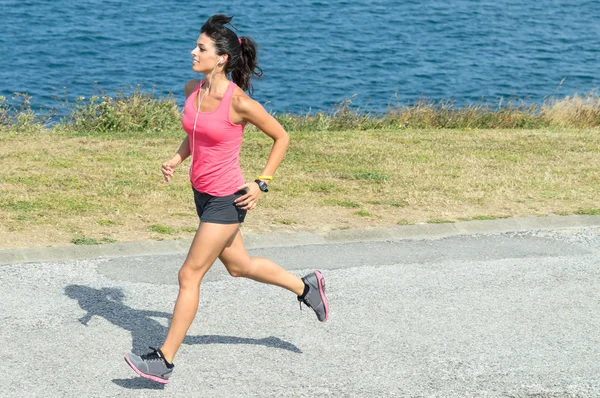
x=215 y=146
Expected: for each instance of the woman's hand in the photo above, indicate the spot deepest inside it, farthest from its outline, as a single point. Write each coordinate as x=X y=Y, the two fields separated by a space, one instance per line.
x=168 y=169
x=250 y=199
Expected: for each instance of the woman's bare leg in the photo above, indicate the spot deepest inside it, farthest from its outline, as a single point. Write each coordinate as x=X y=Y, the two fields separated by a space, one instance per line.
x=208 y=243
x=240 y=264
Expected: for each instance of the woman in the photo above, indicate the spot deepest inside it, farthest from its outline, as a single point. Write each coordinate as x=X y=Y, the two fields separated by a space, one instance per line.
x=215 y=113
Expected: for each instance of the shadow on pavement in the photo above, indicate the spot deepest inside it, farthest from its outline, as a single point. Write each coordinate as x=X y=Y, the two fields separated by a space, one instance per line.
x=139 y=384
x=145 y=331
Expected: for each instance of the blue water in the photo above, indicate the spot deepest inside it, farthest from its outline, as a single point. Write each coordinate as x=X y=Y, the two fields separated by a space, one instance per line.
x=314 y=53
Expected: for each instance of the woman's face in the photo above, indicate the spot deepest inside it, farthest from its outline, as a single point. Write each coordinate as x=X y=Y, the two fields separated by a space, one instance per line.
x=205 y=56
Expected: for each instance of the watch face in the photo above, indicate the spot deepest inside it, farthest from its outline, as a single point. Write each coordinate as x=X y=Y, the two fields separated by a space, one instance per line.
x=262 y=185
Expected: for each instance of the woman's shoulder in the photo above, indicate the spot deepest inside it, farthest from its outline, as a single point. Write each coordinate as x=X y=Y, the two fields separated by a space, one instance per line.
x=190 y=86
x=240 y=100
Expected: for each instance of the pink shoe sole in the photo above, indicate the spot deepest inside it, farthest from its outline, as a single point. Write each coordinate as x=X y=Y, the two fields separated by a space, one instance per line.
x=322 y=292
x=144 y=375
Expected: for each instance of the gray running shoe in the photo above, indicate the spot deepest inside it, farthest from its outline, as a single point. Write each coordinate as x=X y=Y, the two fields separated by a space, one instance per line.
x=152 y=366
x=315 y=297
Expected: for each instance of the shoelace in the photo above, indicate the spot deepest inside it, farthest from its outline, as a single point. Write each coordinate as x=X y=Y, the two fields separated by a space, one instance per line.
x=152 y=356
x=305 y=301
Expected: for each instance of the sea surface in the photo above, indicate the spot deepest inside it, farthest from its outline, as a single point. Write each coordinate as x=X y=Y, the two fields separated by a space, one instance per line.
x=314 y=54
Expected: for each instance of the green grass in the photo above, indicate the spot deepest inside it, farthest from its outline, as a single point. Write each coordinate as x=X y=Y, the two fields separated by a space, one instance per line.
x=19 y=205
x=91 y=241
x=341 y=203
x=322 y=187
x=106 y=223
x=162 y=229
x=439 y=221
x=372 y=176
x=589 y=212
x=482 y=217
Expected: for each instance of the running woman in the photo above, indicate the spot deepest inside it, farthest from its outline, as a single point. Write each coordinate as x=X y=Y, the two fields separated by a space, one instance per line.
x=215 y=113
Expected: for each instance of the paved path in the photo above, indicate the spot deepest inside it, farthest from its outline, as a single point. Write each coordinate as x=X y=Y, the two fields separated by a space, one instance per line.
x=452 y=314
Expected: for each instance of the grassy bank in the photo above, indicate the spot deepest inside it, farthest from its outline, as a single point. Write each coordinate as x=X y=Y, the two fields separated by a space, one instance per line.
x=62 y=187
x=141 y=112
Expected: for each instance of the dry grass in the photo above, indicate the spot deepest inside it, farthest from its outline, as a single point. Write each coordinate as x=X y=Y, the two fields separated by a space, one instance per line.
x=57 y=189
x=577 y=111
x=574 y=111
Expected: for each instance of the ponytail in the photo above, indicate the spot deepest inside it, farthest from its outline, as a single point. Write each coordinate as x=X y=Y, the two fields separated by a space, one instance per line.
x=242 y=63
x=248 y=66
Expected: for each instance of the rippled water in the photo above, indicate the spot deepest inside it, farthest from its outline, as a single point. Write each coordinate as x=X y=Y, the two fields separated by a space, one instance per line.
x=314 y=53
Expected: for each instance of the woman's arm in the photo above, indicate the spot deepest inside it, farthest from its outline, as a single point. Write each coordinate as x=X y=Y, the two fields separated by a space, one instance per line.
x=168 y=167
x=182 y=153
x=252 y=112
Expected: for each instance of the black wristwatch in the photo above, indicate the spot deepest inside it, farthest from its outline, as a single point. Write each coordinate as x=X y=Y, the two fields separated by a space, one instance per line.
x=262 y=185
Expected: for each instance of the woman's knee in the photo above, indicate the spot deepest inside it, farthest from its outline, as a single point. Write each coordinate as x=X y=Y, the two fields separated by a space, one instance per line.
x=190 y=276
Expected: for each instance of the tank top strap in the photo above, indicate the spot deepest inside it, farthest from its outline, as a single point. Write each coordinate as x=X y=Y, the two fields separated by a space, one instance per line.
x=226 y=100
x=229 y=92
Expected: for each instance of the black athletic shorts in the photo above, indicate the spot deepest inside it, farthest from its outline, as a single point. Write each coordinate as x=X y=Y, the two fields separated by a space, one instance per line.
x=219 y=209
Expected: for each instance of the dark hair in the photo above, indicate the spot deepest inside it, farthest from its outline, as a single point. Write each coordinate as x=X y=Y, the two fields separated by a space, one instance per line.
x=242 y=63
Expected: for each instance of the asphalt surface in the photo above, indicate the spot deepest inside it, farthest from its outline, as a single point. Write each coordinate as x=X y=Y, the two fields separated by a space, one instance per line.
x=503 y=314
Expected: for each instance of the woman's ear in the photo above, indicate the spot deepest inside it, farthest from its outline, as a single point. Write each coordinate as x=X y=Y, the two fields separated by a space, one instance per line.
x=223 y=59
